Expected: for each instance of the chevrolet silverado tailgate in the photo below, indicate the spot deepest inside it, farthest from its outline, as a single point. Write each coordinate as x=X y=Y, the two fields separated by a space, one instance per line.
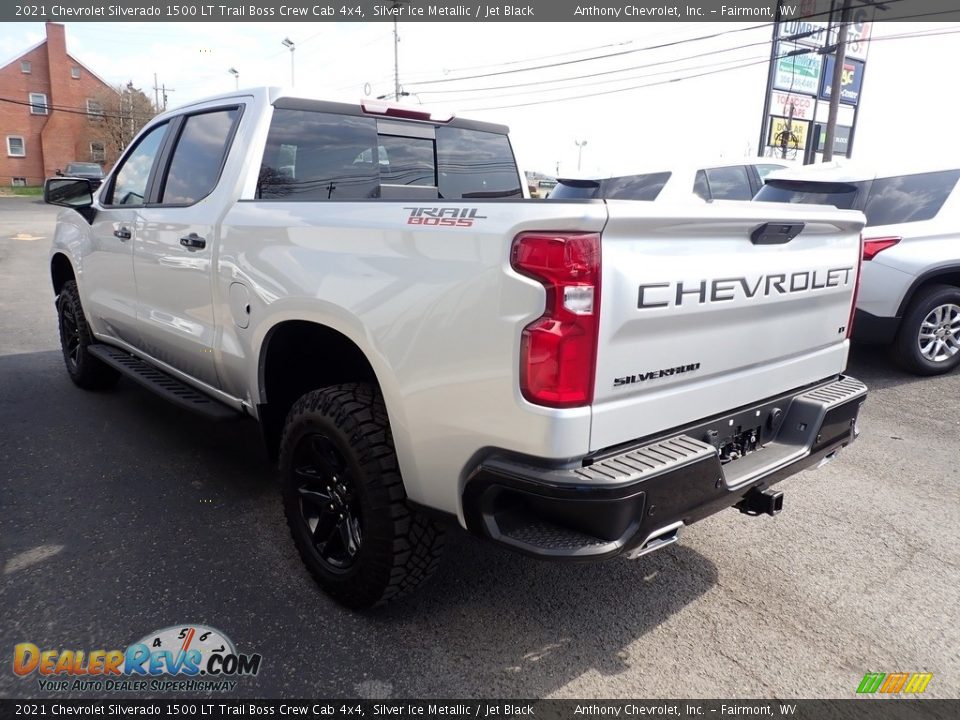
x=705 y=308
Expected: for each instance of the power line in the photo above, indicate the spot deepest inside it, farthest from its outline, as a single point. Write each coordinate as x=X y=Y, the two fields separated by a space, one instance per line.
x=598 y=74
x=691 y=77
x=454 y=101
x=541 y=83
x=542 y=57
x=661 y=46
x=78 y=111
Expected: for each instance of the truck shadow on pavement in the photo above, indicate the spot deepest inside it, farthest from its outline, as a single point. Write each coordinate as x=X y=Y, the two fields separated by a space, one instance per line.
x=124 y=515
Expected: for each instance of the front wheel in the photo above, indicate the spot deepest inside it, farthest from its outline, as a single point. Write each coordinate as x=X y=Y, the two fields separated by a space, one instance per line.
x=84 y=369
x=344 y=499
x=928 y=342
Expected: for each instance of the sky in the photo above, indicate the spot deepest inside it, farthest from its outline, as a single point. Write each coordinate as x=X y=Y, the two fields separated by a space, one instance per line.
x=907 y=97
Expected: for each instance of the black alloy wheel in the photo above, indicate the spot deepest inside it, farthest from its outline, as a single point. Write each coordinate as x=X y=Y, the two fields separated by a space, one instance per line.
x=329 y=507
x=70 y=336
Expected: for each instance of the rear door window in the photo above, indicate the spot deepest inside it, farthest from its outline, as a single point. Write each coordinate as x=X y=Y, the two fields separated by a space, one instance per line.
x=729 y=183
x=909 y=198
x=319 y=156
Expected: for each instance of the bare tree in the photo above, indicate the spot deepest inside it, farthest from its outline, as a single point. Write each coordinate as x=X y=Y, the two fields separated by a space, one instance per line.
x=114 y=117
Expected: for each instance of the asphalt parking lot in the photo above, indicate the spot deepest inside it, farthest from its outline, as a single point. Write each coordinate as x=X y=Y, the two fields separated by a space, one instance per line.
x=122 y=515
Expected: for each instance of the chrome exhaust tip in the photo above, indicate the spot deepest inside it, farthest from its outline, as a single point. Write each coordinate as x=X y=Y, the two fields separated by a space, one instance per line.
x=656 y=540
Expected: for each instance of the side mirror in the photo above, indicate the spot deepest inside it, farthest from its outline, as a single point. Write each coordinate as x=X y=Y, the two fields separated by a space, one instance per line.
x=73 y=193
x=59 y=172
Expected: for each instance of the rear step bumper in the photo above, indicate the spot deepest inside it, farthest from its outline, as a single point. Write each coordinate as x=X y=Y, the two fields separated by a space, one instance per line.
x=636 y=499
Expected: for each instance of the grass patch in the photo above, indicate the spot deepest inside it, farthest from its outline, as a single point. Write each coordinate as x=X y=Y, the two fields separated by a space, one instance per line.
x=34 y=191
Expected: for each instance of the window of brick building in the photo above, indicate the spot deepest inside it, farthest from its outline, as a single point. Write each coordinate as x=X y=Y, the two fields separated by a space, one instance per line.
x=15 y=146
x=97 y=152
x=94 y=108
x=75 y=72
x=38 y=104
x=25 y=66
x=18 y=181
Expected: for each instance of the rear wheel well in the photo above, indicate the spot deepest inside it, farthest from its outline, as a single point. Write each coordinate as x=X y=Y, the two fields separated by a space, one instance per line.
x=949 y=276
x=61 y=271
x=300 y=356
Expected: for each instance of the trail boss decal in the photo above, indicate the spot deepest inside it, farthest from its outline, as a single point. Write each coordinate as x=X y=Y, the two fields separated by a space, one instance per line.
x=654 y=375
x=444 y=216
x=665 y=294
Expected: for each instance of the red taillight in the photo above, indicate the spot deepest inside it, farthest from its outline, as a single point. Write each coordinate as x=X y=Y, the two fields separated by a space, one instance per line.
x=558 y=351
x=873 y=246
x=856 y=285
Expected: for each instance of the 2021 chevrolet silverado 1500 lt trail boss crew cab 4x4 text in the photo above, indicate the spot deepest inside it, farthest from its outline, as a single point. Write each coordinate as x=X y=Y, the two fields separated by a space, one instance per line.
x=572 y=380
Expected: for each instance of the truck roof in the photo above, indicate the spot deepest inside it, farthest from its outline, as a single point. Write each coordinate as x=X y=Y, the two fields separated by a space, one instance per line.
x=288 y=97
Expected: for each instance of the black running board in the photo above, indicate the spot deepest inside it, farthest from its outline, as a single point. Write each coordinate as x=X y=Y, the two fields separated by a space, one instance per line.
x=164 y=385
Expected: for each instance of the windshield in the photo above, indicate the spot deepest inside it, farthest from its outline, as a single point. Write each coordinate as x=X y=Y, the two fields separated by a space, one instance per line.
x=85 y=168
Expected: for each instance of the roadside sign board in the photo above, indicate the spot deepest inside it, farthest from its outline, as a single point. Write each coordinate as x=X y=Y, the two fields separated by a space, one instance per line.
x=858 y=34
x=796 y=136
x=797 y=73
x=851 y=80
x=813 y=34
x=841 y=139
x=803 y=105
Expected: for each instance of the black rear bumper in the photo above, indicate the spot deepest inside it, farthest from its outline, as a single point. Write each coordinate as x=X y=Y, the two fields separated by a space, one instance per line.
x=634 y=498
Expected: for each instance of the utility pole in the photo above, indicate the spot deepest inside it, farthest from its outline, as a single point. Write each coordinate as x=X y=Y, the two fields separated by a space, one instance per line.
x=396 y=49
x=771 y=70
x=160 y=94
x=836 y=82
x=580 y=145
x=130 y=92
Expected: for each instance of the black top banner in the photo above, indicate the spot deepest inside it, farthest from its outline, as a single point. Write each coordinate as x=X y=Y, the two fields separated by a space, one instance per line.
x=467 y=10
x=210 y=708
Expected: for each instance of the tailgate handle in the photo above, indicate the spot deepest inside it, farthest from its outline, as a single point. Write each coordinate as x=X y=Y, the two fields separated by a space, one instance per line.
x=775 y=233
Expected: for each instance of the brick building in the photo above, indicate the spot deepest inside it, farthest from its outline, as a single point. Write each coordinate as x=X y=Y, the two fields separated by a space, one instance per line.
x=37 y=138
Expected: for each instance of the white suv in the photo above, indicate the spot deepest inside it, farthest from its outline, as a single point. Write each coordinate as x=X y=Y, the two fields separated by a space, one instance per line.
x=910 y=285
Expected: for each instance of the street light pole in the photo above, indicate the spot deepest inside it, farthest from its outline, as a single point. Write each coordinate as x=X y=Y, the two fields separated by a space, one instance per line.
x=288 y=43
x=236 y=76
x=580 y=145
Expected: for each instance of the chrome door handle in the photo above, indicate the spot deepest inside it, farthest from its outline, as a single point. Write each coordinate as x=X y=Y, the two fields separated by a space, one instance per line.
x=122 y=233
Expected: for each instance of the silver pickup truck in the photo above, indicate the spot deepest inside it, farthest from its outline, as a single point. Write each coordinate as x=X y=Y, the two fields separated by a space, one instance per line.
x=422 y=345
